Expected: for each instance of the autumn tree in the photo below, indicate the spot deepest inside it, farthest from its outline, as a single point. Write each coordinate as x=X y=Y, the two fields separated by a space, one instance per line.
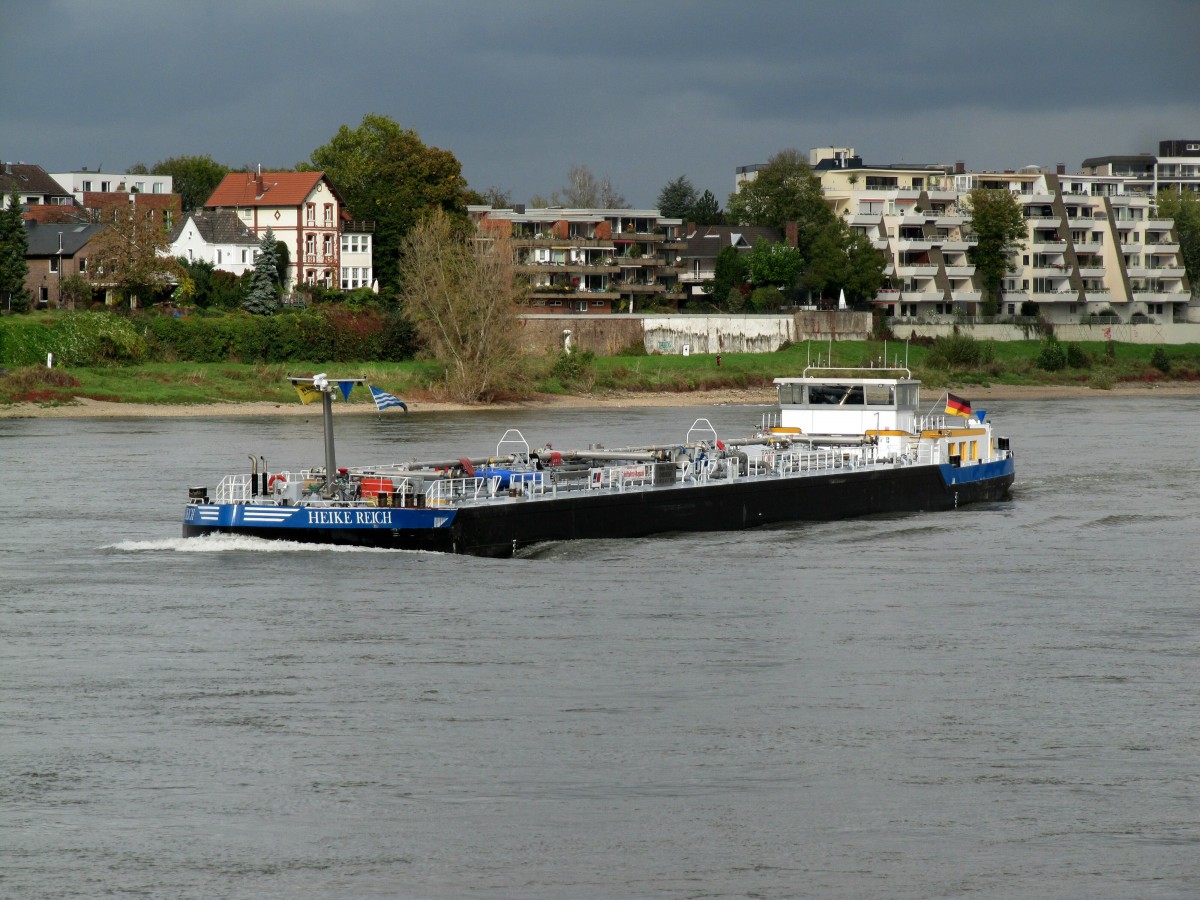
x=14 y=244
x=459 y=293
x=132 y=253
x=1184 y=208
x=388 y=176
x=583 y=190
x=999 y=226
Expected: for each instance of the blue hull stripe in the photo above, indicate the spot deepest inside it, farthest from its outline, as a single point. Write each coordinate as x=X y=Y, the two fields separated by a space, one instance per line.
x=953 y=475
x=228 y=515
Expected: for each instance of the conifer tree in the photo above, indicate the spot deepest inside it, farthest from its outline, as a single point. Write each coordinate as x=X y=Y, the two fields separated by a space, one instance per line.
x=262 y=293
x=14 y=244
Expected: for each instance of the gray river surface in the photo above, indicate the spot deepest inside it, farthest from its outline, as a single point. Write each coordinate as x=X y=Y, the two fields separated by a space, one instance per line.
x=1001 y=701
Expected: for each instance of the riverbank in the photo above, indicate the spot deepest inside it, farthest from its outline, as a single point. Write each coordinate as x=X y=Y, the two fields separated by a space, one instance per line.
x=84 y=408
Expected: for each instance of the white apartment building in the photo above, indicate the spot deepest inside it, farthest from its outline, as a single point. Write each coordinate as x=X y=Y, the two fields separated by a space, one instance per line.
x=83 y=182
x=1094 y=244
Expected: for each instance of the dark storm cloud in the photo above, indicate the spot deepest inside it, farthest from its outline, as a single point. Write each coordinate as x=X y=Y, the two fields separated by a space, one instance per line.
x=643 y=92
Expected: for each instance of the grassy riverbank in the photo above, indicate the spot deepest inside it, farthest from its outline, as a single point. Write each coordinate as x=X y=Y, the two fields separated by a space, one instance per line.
x=992 y=365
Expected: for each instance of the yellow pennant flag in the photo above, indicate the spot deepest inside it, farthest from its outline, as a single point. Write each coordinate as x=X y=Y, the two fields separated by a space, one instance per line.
x=307 y=392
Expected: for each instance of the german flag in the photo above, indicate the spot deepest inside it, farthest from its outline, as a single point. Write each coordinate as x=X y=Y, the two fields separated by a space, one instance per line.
x=957 y=406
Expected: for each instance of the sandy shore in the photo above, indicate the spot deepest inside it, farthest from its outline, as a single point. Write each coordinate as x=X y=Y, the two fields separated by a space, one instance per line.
x=84 y=408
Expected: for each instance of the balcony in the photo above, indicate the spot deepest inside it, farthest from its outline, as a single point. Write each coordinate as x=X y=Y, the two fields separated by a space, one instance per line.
x=914 y=244
x=960 y=271
x=966 y=296
x=916 y=271
x=1092 y=271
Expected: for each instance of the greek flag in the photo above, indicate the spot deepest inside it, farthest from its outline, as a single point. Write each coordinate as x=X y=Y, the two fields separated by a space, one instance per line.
x=384 y=400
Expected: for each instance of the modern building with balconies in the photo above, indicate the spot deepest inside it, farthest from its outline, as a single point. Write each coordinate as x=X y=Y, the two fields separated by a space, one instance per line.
x=1094 y=245
x=592 y=261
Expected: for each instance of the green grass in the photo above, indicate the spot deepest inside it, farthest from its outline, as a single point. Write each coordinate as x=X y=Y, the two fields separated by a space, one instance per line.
x=1011 y=362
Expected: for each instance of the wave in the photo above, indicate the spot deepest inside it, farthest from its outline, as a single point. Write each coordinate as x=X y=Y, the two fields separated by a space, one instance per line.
x=225 y=543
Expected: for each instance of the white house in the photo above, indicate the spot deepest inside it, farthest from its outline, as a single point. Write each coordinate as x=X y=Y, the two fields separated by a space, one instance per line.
x=215 y=236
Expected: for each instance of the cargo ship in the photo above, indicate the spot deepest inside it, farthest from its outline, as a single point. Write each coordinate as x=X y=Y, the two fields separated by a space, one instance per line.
x=841 y=443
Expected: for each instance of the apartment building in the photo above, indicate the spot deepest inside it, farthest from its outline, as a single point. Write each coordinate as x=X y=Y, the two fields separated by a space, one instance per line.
x=592 y=261
x=1176 y=167
x=1094 y=245
x=83 y=181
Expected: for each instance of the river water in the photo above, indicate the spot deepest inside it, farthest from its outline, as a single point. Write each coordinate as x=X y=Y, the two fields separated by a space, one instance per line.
x=1000 y=701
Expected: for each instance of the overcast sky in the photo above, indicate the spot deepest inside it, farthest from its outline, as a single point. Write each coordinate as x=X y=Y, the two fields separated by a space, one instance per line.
x=643 y=92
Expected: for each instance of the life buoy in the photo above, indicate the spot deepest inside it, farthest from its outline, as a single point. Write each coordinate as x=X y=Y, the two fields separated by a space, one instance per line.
x=282 y=479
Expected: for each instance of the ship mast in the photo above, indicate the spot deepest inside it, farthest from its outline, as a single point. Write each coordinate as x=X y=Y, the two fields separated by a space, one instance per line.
x=325 y=386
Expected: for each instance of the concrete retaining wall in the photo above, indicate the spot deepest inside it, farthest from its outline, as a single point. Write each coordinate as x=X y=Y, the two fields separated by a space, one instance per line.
x=609 y=335
x=1149 y=333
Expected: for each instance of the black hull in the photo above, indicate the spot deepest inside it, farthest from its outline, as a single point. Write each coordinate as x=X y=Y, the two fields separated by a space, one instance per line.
x=501 y=529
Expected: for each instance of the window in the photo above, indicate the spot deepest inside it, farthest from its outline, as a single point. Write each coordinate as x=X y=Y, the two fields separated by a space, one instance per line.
x=53 y=264
x=328 y=245
x=329 y=214
x=310 y=214
x=243 y=255
x=140 y=187
x=82 y=264
x=218 y=257
x=310 y=244
x=156 y=188
x=87 y=186
x=104 y=186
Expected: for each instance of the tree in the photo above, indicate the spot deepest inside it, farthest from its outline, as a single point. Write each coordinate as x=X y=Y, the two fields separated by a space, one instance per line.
x=14 y=244
x=193 y=177
x=212 y=288
x=730 y=273
x=583 y=190
x=844 y=260
x=262 y=291
x=461 y=297
x=1184 y=208
x=785 y=190
x=132 y=252
x=495 y=197
x=999 y=227
x=388 y=176
x=677 y=198
x=707 y=211
x=774 y=264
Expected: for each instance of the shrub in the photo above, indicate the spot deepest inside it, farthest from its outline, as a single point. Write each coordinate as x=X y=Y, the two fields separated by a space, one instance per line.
x=1160 y=360
x=575 y=370
x=1076 y=358
x=1052 y=357
x=766 y=298
x=959 y=351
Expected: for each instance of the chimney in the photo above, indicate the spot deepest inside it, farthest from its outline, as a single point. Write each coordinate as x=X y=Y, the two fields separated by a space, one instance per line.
x=1061 y=169
x=792 y=234
x=960 y=167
